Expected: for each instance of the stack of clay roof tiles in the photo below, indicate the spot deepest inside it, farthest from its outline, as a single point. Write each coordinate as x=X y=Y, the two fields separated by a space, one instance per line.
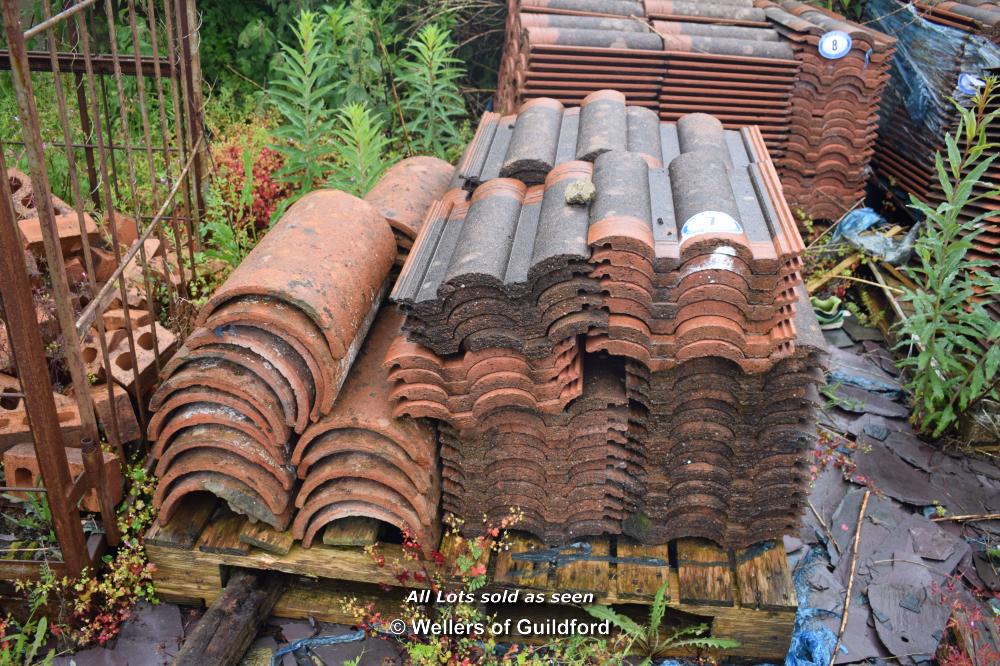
x=977 y=16
x=747 y=62
x=913 y=126
x=252 y=408
x=361 y=460
x=834 y=113
x=530 y=301
x=403 y=194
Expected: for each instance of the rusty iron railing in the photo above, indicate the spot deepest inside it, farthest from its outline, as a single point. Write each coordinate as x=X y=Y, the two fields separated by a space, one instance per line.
x=132 y=73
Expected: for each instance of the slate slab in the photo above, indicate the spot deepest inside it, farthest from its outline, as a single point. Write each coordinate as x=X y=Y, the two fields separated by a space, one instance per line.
x=860 y=333
x=908 y=619
x=884 y=470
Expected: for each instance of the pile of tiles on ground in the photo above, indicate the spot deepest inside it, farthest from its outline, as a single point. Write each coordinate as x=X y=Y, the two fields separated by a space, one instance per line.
x=834 y=110
x=524 y=302
x=747 y=62
x=913 y=127
x=252 y=406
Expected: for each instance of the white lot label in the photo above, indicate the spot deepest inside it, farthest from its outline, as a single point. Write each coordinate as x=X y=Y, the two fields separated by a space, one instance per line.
x=835 y=44
x=969 y=84
x=710 y=222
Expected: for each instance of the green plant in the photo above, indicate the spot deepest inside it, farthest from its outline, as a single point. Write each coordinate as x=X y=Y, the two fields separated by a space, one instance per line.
x=359 y=147
x=957 y=352
x=431 y=101
x=647 y=640
x=229 y=230
x=307 y=77
x=33 y=525
x=21 y=643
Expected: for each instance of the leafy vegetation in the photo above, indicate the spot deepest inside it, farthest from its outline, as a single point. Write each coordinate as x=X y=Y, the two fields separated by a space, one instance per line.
x=339 y=126
x=91 y=608
x=431 y=103
x=22 y=644
x=300 y=93
x=457 y=580
x=649 y=642
x=953 y=344
x=359 y=149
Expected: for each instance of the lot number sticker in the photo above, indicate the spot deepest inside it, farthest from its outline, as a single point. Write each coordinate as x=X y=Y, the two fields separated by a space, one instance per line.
x=710 y=222
x=969 y=84
x=835 y=44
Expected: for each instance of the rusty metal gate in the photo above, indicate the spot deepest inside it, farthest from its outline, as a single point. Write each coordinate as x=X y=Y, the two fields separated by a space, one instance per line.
x=103 y=158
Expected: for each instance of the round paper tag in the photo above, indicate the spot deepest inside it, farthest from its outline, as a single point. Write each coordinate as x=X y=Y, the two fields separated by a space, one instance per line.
x=969 y=84
x=835 y=44
x=710 y=222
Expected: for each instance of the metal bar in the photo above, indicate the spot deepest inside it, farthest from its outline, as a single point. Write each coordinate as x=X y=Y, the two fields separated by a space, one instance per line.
x=38 y=61
x=21 y=79
x=109 y=13
x=90 y=312
x=186 y=14
x=26 y=341
x=175 y=86
x=91 y=146
x=147 y=135
x=19 y=489
x=87 y=129
x=168 y=162
x=109 y=201
x=93 y=462
x=88 y=259
x=53 y=20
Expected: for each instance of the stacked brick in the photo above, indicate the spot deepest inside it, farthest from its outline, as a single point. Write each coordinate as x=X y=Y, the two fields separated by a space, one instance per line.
x=747 y=62
x=261 y=406
x=603 y=264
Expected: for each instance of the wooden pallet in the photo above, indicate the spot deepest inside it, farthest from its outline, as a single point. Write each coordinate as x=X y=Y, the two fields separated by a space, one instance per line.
x=744 y=594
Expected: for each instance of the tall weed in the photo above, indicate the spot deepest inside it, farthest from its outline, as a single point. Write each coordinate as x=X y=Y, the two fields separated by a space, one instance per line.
x=953 y=343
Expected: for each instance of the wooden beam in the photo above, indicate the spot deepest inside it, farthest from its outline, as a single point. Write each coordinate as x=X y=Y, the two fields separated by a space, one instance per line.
x=230 y=625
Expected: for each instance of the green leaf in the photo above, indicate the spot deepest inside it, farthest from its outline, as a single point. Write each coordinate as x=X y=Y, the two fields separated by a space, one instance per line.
x=658 y=608
x=622 y=622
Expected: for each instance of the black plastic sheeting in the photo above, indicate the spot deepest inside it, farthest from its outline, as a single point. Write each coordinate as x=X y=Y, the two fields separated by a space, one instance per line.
x=930 y=59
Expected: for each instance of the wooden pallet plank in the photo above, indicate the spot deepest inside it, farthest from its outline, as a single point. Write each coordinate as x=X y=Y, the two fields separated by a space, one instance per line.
x=186 y=525
x=763 y=577
x=357 y=531
x=705 y=574
x=585 y=574
x=180 y=575
x=222 y=535
x=265 y=537
x=763 y=635
x=641 y=570
x=510 y=570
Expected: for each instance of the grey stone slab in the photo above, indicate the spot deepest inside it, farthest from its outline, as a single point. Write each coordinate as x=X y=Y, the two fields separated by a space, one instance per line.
x=910 y=622
x=881 y=468
x=861 y=333
x=837 y=338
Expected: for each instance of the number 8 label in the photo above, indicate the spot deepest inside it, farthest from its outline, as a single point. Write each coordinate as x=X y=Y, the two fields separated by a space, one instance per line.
x=835 y=44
